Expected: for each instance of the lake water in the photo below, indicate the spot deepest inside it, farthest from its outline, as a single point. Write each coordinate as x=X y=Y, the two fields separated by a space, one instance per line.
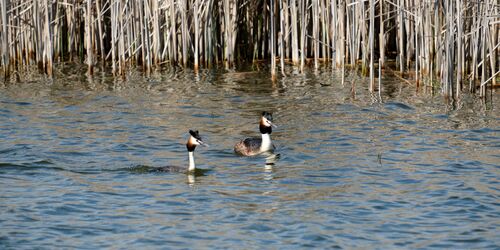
x=355 y=171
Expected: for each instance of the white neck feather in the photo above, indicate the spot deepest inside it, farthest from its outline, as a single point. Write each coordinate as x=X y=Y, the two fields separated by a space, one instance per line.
x=266 y=142
x=191 y=161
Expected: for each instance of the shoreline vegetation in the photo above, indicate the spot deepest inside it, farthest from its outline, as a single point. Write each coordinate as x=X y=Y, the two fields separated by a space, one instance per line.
x=453 y=44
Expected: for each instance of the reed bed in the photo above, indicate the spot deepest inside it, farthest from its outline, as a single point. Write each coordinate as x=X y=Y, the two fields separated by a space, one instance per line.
x=451 y=43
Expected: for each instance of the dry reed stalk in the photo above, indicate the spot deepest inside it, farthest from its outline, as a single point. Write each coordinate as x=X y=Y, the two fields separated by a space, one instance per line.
x=341 y=41
x=482 y=88
x=56 y=34
x=315 y=31
x=209 y=41
x=88 y=37
x=285 y=28
x=400 y=28
x=184 y=31
x=281 y=39
x=230 y=17
x=450 y=49
x=173 y=32
x=303 y=33
x=121 y=37
x=350 y=34
x=155 y=23
x=100 y=29
x=453 y=41
x=47 y=40
x=380 y=79
x=460 y=49
x=364 y=40
x=416 y=43
x=491 y=38
x=334 y=32
x=495 y=42
x=294 y=32
x=343 y=71
x=147 y=45
x=114 y=36
x=196 y=34
x=437 y=39
x=327 y=43
x=371 y=41
x=70 y=22
x=3 y=39
x=381 y=37
x=272 y=40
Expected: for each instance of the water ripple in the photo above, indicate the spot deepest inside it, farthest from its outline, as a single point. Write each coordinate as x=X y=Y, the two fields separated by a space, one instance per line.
x=79 y=165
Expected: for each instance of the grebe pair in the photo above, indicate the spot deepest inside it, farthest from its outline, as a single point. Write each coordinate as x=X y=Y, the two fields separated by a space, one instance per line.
x=246 y=147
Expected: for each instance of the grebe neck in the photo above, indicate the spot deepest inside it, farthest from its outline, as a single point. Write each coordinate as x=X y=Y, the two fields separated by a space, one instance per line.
x=266 y=142
x=191 y=161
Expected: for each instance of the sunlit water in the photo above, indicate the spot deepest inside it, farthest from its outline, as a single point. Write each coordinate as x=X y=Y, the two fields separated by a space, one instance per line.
x=400 y=170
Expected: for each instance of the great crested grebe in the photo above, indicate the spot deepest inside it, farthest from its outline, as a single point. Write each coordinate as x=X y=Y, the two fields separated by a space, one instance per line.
x=193 y=141
x=254 y=146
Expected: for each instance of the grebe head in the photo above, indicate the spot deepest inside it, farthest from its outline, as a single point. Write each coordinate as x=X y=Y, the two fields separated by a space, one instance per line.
x=266 y=123
x=194 y=140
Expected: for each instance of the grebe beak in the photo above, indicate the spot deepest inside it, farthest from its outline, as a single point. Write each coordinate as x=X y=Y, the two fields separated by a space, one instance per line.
x=203 y=143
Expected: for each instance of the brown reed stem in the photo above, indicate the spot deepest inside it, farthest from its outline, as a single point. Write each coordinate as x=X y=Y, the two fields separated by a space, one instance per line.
x=453 y=40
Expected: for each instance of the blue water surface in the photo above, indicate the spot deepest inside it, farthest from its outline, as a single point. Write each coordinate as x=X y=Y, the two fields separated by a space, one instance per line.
x=405 y=169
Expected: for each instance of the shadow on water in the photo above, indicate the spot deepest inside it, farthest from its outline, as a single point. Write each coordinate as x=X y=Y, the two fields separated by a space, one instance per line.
x=40 y=166
x=142 y=169
x=44 y=166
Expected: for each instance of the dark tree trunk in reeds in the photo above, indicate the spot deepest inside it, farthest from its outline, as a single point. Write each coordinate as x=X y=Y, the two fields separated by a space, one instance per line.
x=454 y=41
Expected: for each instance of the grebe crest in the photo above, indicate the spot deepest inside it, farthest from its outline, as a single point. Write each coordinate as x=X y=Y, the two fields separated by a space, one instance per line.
x=254 y=146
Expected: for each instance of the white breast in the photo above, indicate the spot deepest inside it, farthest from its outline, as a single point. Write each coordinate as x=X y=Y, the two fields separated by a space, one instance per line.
x=266 y=142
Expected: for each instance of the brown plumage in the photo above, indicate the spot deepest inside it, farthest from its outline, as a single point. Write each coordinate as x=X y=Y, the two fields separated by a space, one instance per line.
x=248 y=146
